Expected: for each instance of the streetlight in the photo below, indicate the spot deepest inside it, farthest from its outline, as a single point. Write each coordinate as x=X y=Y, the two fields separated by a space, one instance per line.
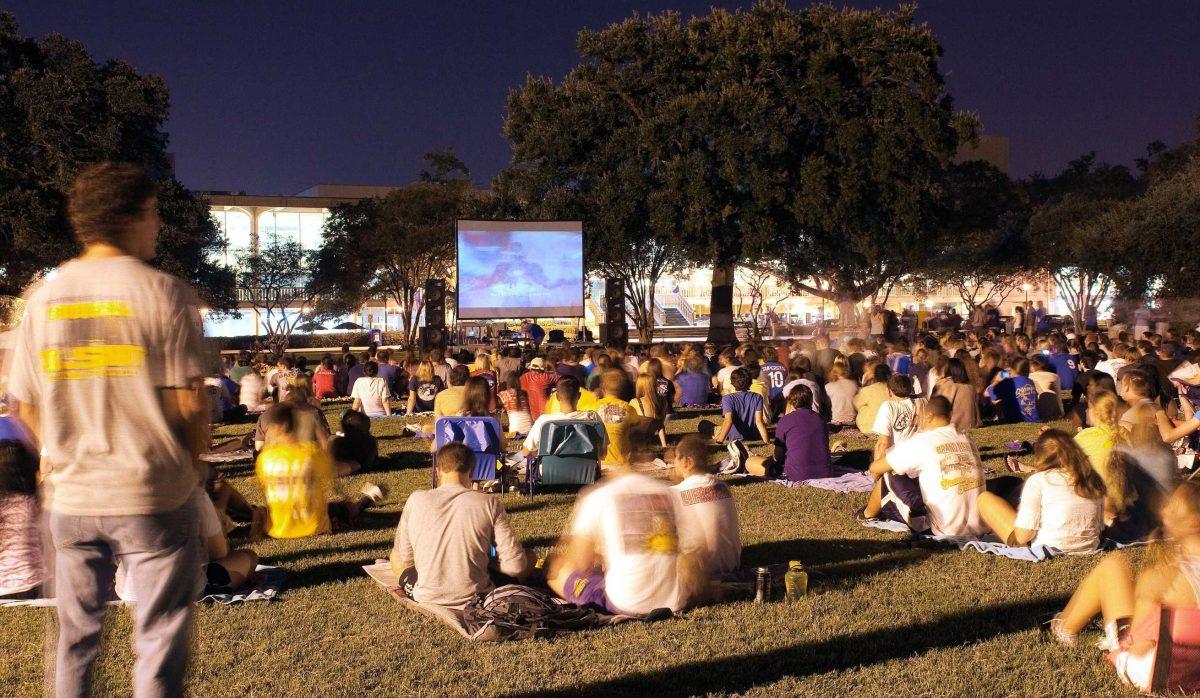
x=1026 y=288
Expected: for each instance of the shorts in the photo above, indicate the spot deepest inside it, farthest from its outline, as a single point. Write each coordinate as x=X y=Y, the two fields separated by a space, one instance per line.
x=587 y=590
x=901 y=500
x=216 y=580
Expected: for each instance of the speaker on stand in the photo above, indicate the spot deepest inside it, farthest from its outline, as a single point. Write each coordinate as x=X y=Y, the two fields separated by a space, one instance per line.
x=433 y=334
x=615 y=330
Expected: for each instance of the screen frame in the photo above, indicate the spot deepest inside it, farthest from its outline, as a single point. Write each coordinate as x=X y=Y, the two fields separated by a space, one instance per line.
x=458 y=318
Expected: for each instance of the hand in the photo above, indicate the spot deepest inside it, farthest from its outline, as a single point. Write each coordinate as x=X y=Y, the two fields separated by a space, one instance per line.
x=1187 y=409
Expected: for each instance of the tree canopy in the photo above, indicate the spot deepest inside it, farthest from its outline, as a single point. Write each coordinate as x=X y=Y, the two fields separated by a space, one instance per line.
x=60 y=110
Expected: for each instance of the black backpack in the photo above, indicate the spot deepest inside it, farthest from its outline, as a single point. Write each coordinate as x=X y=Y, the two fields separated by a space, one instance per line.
x=516 y=612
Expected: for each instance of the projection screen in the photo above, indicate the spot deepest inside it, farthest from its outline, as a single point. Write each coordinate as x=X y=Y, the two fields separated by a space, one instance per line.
x=520 y=269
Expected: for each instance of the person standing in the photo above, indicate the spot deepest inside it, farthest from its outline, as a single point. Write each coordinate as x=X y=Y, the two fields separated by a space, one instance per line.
x=107 y=366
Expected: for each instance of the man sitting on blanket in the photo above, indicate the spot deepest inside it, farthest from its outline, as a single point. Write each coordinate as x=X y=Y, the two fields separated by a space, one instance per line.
x=629 y=548
x=446 y=535
x=932 y=480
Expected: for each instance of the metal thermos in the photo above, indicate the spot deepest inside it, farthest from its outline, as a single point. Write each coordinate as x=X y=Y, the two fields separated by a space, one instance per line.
x=762 y=585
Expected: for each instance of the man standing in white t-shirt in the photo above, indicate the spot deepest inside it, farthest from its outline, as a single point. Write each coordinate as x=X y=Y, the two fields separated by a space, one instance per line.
x=707 y=506
x=108 y=366
x=896 y=420
x=948 y=475
x=630 y=550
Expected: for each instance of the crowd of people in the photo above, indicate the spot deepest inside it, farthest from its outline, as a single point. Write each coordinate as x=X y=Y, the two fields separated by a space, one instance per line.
x=113 y=398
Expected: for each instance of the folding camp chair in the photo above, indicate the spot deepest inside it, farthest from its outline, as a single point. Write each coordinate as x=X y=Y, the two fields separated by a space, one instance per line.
x=569 y=453
x=1177 y=654
x=481 y=435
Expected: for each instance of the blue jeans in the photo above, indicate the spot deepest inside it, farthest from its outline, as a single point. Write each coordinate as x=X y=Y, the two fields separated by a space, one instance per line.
x=162 y=555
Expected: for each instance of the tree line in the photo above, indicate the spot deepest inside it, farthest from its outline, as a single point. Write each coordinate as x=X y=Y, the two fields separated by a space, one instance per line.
x=817 y=145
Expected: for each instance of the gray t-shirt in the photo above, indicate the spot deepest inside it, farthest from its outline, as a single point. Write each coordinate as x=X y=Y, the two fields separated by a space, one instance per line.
x=447 y=534
x=99 y=340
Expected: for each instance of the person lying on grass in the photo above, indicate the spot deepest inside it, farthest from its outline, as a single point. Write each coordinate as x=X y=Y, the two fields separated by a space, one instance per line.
x=707 y=505
x=446 y=535
x=801 y=448
x=1060 y=506
x=1131 y=606
x=932 y=480
x=629 y=549
x=296 y=474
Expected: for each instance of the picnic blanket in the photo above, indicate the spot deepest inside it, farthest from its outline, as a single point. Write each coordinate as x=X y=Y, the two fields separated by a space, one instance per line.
x=452 y=617
x=846 y=482
x=991 y=546
x=238 y=456
x=270 y=584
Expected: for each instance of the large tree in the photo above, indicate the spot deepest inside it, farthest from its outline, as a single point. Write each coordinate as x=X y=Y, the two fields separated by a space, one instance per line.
x=389 y=246
x=272 y=281
x=819 y=132
x=60 y=110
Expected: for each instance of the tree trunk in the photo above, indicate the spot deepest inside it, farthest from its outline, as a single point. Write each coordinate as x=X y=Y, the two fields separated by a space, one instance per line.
x=720 y=310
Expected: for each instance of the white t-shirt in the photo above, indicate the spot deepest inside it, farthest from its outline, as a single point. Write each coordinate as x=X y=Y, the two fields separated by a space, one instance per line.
x=723 y=379
x=374 y=394
x=638 y=527
x=533 y=440
x=1111 y=366
x=816 y=391
x=841 y=394
x=898 y=419
x=1062 y=519
x=708 y=509
x=250 y=392
x=948 y=470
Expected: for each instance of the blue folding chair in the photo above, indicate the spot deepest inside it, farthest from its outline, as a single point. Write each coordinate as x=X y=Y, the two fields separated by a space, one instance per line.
x=479 y=434
x=569 y=453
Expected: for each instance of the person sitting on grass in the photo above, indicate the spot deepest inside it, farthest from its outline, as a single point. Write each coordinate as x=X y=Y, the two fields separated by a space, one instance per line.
x=840 y=389
x=615 y=412
x=226 y=570
x=649 y=404
x=801 y=449
x=354 y=449
x=744 y=414
x=446 y=536
x=896 y=420
x=22 y=569
x=692 y=385
x=1014 y=395
x=629 y=549
x=1060 y=506
x=323 y=378
x=296 y=474
x=1130 y=605
x=1045 y=380
x=371 y=394
x=932 y=480
x=300 y=397
x=871 y=397
x=707 y=505
x=567 y=391
x=423 y=388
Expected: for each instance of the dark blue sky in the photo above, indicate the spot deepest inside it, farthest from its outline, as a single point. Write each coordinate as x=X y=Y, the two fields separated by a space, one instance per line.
x=271 y=97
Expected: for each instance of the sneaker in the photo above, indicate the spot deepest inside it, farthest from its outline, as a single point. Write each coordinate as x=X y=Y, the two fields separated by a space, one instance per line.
x=374 y=492
x=727 y=467
x=738 y=453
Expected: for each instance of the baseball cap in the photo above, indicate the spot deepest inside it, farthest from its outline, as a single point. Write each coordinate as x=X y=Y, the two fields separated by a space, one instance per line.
x=538 y=364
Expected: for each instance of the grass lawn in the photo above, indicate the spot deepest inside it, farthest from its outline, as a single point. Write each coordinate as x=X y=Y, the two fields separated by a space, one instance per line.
x=882 y=618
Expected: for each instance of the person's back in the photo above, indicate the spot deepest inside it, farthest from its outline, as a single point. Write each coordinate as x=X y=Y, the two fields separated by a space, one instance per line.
x=868 y=401
x=1063 y=519
x=297 y=480
x=773 y=375
x=806 y=443
x=1066 y=366
x=841 y=394
x=708 y=507
x=636 y=524
x=537 y=383
x=693 y=388
x=450 y=531
x=323 y=382
x=948 y=472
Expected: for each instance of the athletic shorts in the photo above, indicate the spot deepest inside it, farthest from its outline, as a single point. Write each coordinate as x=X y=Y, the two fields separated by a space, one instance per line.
x=587 y=590
x=901 y=500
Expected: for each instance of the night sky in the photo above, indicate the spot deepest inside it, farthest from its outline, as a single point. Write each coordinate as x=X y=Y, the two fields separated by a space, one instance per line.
x=272 y=97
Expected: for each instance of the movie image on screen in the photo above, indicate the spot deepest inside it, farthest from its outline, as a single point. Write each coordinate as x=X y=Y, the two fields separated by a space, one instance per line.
x=519 y=269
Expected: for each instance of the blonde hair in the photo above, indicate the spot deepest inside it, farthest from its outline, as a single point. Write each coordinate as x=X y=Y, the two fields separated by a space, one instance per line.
x=425 y=370
x=839 y=370
x=1119 y=494
x=646 y=391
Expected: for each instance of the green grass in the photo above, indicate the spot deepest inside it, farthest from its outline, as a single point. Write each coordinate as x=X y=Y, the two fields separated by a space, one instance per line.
x=882 y=617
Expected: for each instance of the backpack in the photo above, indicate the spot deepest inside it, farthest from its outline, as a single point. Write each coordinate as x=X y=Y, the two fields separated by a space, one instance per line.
x=516 y=612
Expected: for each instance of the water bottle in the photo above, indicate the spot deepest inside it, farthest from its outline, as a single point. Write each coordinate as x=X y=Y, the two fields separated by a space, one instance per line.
x=795 y=582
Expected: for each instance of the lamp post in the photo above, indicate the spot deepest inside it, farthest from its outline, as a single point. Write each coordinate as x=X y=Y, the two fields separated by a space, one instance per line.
x=1026 y=288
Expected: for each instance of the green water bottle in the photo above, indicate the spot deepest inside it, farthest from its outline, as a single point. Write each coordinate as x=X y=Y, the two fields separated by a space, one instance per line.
x=795 y=582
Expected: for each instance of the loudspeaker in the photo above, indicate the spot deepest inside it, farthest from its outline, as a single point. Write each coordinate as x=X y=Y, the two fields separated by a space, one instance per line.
x=615 y=330
x=433 y=334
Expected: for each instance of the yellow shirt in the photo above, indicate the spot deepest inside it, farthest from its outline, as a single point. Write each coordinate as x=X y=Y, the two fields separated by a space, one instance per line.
x=615 y=412
x=449 y=402
x=587 y=401
x=296 y=481
x=1097 y=443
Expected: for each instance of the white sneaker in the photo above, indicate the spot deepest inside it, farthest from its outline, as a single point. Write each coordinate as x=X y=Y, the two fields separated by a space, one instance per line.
x=738 y=453
x=373 y=492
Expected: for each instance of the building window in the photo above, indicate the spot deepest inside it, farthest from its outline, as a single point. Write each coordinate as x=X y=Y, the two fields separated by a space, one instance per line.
x=305 y=228
x=234 y=226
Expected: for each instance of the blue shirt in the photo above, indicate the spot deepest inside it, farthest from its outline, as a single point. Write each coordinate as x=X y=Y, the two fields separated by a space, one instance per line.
x=693 y=388
x=899 y=363
x=391 y=374
x=743 y=405
x=805 y=445
x=774 y=376
x=1067 y=367
x=1018 y=399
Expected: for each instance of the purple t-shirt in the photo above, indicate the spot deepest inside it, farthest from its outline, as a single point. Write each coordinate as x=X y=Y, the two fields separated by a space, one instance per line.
x=743 y=405
x=802 y=435
x=693 y=388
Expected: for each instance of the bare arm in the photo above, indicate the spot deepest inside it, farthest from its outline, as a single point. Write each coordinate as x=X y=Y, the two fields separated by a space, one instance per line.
x=187 y=412
x=723 y=430
x=760 y=421
x=880 y=467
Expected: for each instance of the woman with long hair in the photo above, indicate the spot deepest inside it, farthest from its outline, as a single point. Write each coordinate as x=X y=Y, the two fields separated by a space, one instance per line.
x=423 y=387
x=477 y=399
x=1060 y=506
x=648 y=403
x=955 y=385
x=840 y=389
x=1098 y=442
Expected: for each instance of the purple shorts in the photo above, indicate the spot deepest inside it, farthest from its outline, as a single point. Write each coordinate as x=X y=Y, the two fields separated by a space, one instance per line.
x=587 y=590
